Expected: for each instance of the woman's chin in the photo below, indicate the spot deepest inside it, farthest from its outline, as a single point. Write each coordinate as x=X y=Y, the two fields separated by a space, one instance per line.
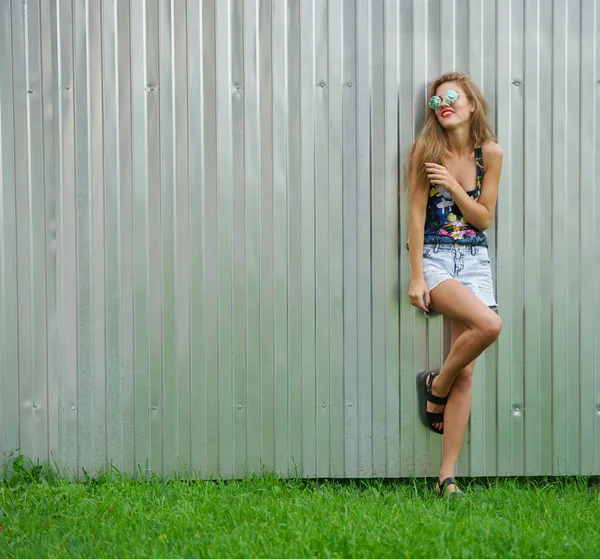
x=452 y=124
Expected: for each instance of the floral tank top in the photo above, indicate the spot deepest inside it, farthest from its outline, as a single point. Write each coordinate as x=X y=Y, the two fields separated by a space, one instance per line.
x=444 y=222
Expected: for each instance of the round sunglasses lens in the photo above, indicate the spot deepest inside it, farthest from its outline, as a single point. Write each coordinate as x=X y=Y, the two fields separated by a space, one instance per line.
x=435 y=102
x=451 y=96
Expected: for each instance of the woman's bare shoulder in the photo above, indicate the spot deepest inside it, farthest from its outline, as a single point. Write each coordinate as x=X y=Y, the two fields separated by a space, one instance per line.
x=492 y=150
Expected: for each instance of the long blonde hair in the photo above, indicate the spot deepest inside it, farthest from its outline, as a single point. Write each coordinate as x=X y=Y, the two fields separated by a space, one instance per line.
x=433 y=140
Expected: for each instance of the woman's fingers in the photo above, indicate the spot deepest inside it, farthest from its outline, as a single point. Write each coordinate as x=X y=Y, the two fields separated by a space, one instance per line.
x=436 y=178
x=420 y=301
x=427 y=298
x=431 y=173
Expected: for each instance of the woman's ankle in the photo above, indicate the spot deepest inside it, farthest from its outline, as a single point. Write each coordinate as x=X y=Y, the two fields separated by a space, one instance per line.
x=438 y=388
x=446 y=473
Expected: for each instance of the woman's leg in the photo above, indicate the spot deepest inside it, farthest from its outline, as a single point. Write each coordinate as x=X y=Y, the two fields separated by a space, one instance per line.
x=456 y=414
x=481 y=325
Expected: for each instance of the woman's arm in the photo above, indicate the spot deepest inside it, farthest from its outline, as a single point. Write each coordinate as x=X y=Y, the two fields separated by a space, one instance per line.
x=418 y=293
x=481 y=212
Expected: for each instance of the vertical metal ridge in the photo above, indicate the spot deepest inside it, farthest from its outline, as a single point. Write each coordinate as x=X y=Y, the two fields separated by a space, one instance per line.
x=363 y=240
x=137 y=22
x=406 y=25
x=224 y=225
x=154 y=233
x=350 y=247
x=574 y=333
x=582 y=246
x=49 y=103
x=596 y=143
x=38 y=246
x=551 y=258
x=322 y=237
x=377 y=234
x=295 y=458
x=9 y=434
x=419 y=358
x=3 y=290
x=83 y=156
x=98 y=230
x=67 y=404
x=265 y=231
x=210 y=252
x=198 y=407
x=181 y=233
x=111 y=187
x=391 y=163
x=238 y=254
x=336 y=248
x=568 y=33
x=19 y=103
x=181 y=248
x=280 y=196
x=125 y=205
x=307 y=209
x=251 y=50
x=169 y=367
x=106 y=201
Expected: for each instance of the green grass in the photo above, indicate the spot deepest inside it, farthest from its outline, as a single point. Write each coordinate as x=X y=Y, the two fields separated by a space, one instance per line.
x=115 y=516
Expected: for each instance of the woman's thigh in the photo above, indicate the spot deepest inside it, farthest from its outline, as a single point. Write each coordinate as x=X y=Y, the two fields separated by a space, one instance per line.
x=454 y=300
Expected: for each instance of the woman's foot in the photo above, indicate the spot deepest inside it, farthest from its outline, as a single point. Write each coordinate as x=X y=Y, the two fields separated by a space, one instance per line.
x=448 y=488
x=430 y=384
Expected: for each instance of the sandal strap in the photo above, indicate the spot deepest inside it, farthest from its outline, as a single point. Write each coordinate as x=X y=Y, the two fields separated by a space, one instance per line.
x=435 y=417
x=436 y=399
x=444 y=484
x=430 y=396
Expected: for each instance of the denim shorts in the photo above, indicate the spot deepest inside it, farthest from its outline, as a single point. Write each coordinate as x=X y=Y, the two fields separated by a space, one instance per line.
x=470 y=265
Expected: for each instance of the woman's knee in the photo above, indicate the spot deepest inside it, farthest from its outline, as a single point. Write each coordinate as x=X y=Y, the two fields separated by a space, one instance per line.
x=490 y=327
x=464 y=378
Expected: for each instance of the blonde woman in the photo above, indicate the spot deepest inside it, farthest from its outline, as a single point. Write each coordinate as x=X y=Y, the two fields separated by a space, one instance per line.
x=453 y=173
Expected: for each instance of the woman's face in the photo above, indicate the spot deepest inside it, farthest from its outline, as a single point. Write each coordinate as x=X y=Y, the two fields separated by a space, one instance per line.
x=453 y=115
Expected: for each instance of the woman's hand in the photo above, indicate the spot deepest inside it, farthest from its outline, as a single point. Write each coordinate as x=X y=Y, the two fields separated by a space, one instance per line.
x=438 y=174
x=418 y=295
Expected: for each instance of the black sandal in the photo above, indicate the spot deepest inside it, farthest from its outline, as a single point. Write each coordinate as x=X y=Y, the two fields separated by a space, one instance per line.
x=441 y=489
x=424 y=382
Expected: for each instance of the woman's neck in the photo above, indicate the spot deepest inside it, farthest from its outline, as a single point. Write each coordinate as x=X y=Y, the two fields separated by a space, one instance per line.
x=459 y=141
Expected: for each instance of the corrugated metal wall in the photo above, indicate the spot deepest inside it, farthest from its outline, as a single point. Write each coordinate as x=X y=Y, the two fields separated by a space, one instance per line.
x=198 y=234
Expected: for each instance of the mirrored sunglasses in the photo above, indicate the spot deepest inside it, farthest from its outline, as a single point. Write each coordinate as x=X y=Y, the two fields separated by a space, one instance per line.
x=451 y=96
